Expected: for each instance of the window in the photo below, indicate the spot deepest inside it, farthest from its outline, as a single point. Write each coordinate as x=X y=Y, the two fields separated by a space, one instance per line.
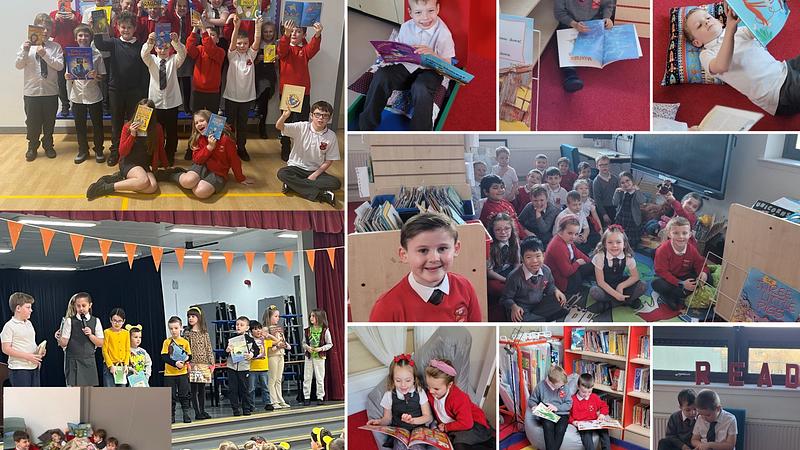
x=791 y=147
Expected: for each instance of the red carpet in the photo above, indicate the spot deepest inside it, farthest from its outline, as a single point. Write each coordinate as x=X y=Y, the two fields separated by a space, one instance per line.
x=474 y=107
x=613 y=98
x=697 y=100
x=364 y=438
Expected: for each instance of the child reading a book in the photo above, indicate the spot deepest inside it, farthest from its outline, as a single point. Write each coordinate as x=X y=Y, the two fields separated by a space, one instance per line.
x=80 y=336
x=316 y=345
x=241 y=349
x=679 y=267
x=294 y=53
x=503 y=254
x=207 y=75
x=141 y=150
x=19 y=343
x=116 y=350
x=556 y=194
x=569 y=264
x=612 y=256
x=627 y=200
x=176 y=353
x=202 y=354
x=586 y=405
x=572 y=14
x=523 y=197
x=553 y=393
x=266 y=75
x=64 y=24
x=603 y=187
x=140 y=361
x=539 y=216
x=734 y=56
x=314 y=149
x=40 y=64
x=463 y=421
x=506 y=173
x=87 y=97
x=681 y=423
x=568 y=177
x=275 y=356
x=405 y=404
x=494 y=189
x=240 y=87
x=715 y=428
x=259 y=366
x=429 y=35
x=430 y=293
x=530 y=293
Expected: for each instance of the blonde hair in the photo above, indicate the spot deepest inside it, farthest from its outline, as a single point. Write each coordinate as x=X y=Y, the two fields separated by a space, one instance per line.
x=556 y=374
x=677 y=221
x=206 y=114
x=614 y=228
x=227 y=445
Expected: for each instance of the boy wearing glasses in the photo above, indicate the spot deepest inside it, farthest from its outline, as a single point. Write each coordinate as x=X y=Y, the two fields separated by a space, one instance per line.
x=314 y=148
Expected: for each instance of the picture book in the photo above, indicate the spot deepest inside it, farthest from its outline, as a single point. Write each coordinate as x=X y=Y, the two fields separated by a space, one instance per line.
x=772 y=209
x=577 y=338
x=767 y=299
x=216 y=124
x=303 y=14
x=238 y=345
x=163 y=30
x=199 y=373
x=292 y=98
x=64 y=6
x=419 y=436
x=269 y=53
x=398 y=52
x=248 y=9
x=597 y=424
x=764 y=18
x=35 y=35
x=177 y=353
x=516 y=72
x=41 y=348
x=516 y=41
x=542 y=411
x=101 y=16
x=142 y=116
x=723 y=118
x=138 y=379
x=119 y=374
x=79 y=61
x=197 y=18
x=149 y=4
x=598 y=47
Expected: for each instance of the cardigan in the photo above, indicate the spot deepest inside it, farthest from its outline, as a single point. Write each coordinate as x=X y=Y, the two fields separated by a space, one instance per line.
x=556 y=257
x=220 y=160
x=636 y=202
x=459 y=406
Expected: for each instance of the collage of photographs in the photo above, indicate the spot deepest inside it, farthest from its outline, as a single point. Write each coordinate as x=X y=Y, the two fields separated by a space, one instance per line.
x=491 y=225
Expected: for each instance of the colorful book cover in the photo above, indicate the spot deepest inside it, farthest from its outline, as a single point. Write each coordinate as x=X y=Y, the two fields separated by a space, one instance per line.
x=35 y=35
x=101 y=16
x=767 y=299
x=142 y=116
x=138 y=379
x=396 y=52
x=238 y=345
x=199 y=373
x=119 y=375
x=248 y=9
x=163 y=31
x=598 y=47
x=216 y=124
x=541 y=410
x=197 y=18
x=79 y=61
x=515 y=41
x=577 y=338
x=420 y=436
x=64 y=6
x=177 y=353
x=149 y=4
x=270 y=52
x=303 y=14
x=596 y=424
x=292 y=98
x=764 y=18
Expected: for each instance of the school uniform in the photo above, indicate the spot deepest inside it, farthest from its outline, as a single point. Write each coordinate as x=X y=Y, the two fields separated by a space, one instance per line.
x=534 y=293
x=64 y=35
x=568 y=180
x=212 y=166
x=522 y=198
x=22 y=337
x=177 y=379
x=603 y=193
x=672 y=268
x=399 y=404
x=718 y=430
x=613 y=268
x=493 y=207
x=293 y=65
x=567 y=273
x=679 y=432
x=629 y=214
x=133 y=151
x=409 y=301
x=464 y=422
x=310 y=149
x=207 y=72
x=560 y=398
x=86 y=96
x=509 y=177
x=79 y=363
x=165 y=92
x=239 y=380
x=240 y=91
x=184 y=31
x=557 y=197
x=588 y=408
x=40 y=92
x=314 y=363
x=541 y=226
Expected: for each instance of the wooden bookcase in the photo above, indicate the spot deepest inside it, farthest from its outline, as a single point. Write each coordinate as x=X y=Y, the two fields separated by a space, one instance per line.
x=632 y=360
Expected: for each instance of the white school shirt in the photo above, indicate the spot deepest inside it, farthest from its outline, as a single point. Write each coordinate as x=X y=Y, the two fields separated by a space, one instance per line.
x=557 y=197
x=171 y=96
x=33 y=83
x=87 y=92
x=241 y=79
x=598 y=260
x=306 y=145
x=726 y=426
x=753 y=71
x=386 y=400
x=66 y=331
x=441 y=412
x=425 y=292
x=22 y=336
x=437 y=37
x=581 y=219
x=509 y=178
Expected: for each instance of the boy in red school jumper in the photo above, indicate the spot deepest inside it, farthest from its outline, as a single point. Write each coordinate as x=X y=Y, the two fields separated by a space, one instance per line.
x=679 y=266
x=570 y=266
x=493 y=188
x=586 y=405
x=64 y=24
x=207 y=74
x=430 y=292
x=146 y=23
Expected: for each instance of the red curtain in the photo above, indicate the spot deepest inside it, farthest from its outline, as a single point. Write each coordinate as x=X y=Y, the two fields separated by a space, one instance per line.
x=330 y=297
x=317 y=221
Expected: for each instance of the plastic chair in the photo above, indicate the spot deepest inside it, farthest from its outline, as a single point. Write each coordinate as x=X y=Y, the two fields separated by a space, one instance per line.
x=571 y=152
x=741 y=426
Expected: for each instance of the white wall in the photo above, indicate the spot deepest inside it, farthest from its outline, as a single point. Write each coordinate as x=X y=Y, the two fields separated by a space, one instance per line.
x=193 y=287
x=43 y=408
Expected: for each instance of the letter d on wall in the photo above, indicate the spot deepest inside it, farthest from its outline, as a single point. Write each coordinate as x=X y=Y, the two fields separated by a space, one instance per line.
x=702 y=369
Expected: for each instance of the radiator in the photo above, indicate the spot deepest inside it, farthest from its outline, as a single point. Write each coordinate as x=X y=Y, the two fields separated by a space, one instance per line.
x=759 y=434
x=355 y=159
x=659 y=427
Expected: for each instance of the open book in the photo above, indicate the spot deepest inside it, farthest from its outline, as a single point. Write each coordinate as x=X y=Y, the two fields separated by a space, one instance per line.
x=597 y=47
x=596 y=424
x=723 y=118
x=397 y=52
x=541 y=410
x=420 y=435
x=764 y=19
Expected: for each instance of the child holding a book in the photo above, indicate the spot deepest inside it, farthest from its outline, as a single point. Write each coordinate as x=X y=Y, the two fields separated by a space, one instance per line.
x=314 y=149
x=463 y=421
x=266 y=75
x=405 y=404
x=140 y=361
x=569 y=264
x=64 y=25
x=627 y=200
x=294 y=53
x=182 y=10
x=429 y=35
x=202 y=354
x=679 y=267
x=715 y=428
x=259 y=366
x=687 y=207
x=539 y=216
x=556 y=194
x=240 y=353
x=494 y=189
x=176 y=353
x=553 y=393
x=316 y=345
x=240 y=86
x=430 y=293
x=150 y=17
x=612 y=256
x=681 y=423
x=86 y=96
x=572 y=14
x=586 y=405
x=41 y=64
x=116 y=349
x=568 y=177
x=275 y=355
x=530 y=293
x=506 y=173
x=603 y=187
x=207 y=74
x=80 y=336
x=19 y=343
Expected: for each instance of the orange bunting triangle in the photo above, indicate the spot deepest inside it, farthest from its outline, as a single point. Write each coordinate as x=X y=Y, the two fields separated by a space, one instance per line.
x=310 y=256
x=47 y=238
x=14 y=229
x=204 y=257
x=130 y=250
x=77 y=243
x=270 y=257
x=332 y=256
x=179 y=254
x=249 y=257
x=288 y=256
x=157 y=253
x=228 y=260
x=105 y=246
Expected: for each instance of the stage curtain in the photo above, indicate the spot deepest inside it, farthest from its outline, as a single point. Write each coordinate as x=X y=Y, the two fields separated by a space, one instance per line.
x=330 y=297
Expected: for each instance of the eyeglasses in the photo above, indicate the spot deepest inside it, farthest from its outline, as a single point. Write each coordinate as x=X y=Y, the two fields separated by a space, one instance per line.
x=321 y=115
x=118 y=320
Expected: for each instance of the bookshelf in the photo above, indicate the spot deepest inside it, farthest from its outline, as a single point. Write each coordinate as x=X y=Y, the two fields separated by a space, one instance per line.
x=628 y=398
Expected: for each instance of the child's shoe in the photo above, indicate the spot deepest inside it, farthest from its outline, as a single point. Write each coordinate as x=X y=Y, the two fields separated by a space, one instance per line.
x=243 y=155
x=113 y=158
x=188 y=155
x=269 y=407
x=307 y=402
x=327 y=197
x=82 y=155
x=50 y=152
x=237 y=413
x=30 y=155
x=99 y=189
x=573 y=84
x=99 y=156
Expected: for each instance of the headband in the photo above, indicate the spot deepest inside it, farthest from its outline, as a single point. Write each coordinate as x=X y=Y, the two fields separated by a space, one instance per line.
x=443 y=366
x=318 y=434
x=404 y=357
x=615 y=227
x=195 y=310
x=285 y=445
x=129 y=327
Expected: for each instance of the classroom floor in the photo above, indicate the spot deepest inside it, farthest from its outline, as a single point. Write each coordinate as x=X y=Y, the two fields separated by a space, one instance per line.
x=60 y=184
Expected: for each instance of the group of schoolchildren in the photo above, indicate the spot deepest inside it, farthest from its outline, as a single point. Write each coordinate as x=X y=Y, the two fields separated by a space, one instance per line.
x=58 y=440
x=700 y=424
x=81 y=333
x=220 y=58
x=321 y=439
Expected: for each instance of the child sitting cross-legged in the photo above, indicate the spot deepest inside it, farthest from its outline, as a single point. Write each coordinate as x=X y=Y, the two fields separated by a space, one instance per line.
x=680 y=269
x=530 y=293
x=586 y=405
x=612 y=256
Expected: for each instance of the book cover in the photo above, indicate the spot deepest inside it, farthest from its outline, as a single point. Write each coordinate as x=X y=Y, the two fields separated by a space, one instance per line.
x=138 y=379
x=79 y=61
x=292 y=98
x=100 y=18
x=248 y=9
x=764 y=18
x=269 y=53
x=64 y=6
x=396 y=52
x=163 y=31
x=200 y=373
x=197 y=18
x=598 y=47
x=35 y=35
x=304 y=14
x=541 y=410
x=142 y=116
x=724 y=118
x=515 y=41
x=419 y=436
x=516 y=53
x=596 y=424
x=216 y=124
x=150 y=4
x=766 y=299
x=119 y=375
x=41 y=348
x=238 y=345
x=446 y=69
x=577 y=338
x=177 y=353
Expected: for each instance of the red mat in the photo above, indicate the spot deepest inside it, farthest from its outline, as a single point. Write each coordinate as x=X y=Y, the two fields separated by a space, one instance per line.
x=697 y=100
x=363 y=437
x=474 y=107
x=616 y=97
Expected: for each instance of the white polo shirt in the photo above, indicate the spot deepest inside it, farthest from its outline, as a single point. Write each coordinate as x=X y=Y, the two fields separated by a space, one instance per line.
x=22 y=336
x=241 y=78
x=310 y=149
x=726 y=426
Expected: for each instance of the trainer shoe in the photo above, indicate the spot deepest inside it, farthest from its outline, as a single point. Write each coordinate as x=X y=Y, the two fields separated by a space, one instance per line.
x=328 y=197
x=269 y=407
x=81 y=156
x=113 y=158
x=99 y=157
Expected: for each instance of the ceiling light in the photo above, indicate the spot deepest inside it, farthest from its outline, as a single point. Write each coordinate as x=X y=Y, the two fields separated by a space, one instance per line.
x=63 y=269
x=288 y=235
x=5 y=250
x=109 y=254
x=57 y=223
x=200 y=257
x=214 y=231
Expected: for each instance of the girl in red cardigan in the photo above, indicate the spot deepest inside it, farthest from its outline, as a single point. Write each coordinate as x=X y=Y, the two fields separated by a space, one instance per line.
x=569 y=265
x=587 y=406
x=463 y=421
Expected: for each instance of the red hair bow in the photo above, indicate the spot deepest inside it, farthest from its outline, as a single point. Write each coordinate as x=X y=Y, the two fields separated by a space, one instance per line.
x=404 y=357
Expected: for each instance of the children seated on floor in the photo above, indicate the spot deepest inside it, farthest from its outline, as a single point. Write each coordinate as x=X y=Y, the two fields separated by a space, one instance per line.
x=681 y=423
x=530 y=293
x=679 y=267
